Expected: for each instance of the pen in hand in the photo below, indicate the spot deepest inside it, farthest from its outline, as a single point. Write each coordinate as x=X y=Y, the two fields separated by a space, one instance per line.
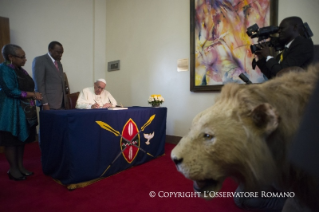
x=97 y=103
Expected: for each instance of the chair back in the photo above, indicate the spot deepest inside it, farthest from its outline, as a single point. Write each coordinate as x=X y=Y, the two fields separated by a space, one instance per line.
x=71 y=100
x=66 y=84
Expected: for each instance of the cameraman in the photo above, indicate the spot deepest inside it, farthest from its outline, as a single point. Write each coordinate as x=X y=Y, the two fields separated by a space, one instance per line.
x=298 y=49
x=298 y=52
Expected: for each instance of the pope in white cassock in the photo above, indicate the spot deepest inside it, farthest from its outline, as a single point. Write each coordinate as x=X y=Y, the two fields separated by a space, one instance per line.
x=95 y=97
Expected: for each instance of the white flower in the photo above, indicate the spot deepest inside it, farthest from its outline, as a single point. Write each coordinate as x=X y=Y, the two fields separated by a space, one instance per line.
x=155 y=99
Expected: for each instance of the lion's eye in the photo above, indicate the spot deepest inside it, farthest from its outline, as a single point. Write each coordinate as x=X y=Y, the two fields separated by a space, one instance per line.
x=208 y=136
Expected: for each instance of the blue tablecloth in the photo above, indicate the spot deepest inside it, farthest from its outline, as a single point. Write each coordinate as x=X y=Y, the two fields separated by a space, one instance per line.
x=79 y=146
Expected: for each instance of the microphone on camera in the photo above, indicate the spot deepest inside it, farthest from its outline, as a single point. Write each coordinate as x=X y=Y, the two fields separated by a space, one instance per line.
x=243 y=77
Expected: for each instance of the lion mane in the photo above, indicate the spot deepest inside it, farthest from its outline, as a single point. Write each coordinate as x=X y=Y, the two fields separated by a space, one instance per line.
x=246 y=135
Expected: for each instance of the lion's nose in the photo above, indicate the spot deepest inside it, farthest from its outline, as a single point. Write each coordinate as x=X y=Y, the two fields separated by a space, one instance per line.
x=177 y=161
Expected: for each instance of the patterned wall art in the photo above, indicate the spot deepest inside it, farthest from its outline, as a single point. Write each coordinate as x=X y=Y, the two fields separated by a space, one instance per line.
x=220 y=46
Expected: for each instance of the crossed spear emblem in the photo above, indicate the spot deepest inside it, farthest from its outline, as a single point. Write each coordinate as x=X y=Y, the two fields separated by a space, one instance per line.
x=117 y=133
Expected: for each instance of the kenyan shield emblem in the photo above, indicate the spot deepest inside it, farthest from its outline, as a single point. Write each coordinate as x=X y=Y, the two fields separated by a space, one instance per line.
x=130 y=141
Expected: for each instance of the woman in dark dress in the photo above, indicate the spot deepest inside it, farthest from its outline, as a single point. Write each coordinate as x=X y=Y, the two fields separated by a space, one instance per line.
x=18 y=116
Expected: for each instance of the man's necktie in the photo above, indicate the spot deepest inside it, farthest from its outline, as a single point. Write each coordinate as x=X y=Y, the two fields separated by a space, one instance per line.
x=56 y=65
x=282 y=54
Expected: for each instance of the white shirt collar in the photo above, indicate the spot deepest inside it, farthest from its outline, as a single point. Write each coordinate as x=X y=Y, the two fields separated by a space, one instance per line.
x=53 y=60
x=288 y=45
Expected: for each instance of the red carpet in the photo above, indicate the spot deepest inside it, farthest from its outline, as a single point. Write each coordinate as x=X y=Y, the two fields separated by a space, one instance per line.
x=126 y=191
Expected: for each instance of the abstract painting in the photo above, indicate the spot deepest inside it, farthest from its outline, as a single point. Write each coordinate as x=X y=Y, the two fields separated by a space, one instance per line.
x=220 y=47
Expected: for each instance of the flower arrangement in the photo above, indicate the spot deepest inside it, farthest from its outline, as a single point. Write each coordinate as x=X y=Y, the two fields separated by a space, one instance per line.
x=155 y=100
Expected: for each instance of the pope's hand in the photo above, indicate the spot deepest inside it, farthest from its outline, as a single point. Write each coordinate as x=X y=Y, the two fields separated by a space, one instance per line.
x=107 y=105
x=96 y=105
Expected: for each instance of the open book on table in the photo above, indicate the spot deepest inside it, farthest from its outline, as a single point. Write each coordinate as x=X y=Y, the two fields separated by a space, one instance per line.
x=117 y=107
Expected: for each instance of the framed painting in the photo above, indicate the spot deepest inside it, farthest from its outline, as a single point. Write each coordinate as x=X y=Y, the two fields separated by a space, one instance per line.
x=219 y=45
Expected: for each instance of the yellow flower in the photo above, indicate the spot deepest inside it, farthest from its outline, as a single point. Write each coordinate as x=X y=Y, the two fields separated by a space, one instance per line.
x=155 y=95
x=155 y=99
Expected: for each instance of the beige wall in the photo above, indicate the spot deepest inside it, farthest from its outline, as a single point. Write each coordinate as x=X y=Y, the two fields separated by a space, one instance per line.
x=306 y=9
x=147 y=36
x=78 y=24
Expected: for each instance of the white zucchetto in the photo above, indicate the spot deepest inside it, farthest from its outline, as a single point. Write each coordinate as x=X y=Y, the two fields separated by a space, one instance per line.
x=101 y=80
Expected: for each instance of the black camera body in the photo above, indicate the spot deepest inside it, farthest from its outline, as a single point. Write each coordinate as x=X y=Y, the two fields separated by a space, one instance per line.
x=264 y=33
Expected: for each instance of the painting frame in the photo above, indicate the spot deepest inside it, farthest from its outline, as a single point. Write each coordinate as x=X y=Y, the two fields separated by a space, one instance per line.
x=204 y=88
x=113 y=65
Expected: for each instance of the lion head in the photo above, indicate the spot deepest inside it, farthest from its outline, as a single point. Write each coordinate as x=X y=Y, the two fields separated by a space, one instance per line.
x=245 y=134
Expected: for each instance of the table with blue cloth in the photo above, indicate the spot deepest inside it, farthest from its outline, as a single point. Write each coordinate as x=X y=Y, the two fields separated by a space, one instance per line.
x=80 y=147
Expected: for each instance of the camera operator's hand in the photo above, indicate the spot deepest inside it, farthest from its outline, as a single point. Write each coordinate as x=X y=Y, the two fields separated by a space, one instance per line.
x=263 y=52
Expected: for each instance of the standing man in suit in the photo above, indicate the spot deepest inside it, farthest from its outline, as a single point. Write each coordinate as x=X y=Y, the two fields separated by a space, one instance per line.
x=48 y=75
x=298 y=50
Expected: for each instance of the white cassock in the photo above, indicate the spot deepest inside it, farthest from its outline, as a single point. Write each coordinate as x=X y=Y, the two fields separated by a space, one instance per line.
x=87 y=98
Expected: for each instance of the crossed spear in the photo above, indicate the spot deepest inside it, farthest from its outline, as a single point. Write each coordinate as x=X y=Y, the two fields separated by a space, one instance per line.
x=117 y=133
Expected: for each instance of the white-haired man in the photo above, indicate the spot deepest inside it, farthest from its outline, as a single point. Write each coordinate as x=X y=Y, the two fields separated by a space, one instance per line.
x=95 y=97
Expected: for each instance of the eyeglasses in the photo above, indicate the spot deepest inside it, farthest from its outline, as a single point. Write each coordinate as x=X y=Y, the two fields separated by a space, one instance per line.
x=100 y=88
x=21 y=57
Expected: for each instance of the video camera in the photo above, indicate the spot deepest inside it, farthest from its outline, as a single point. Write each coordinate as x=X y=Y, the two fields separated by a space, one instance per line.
x=264 y=33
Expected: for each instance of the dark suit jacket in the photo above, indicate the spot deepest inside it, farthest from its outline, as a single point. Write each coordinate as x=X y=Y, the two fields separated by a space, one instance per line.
x=300 y=53
x=49 y=81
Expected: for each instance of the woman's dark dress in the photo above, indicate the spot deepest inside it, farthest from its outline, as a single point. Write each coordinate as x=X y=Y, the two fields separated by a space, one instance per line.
x=25 y=83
